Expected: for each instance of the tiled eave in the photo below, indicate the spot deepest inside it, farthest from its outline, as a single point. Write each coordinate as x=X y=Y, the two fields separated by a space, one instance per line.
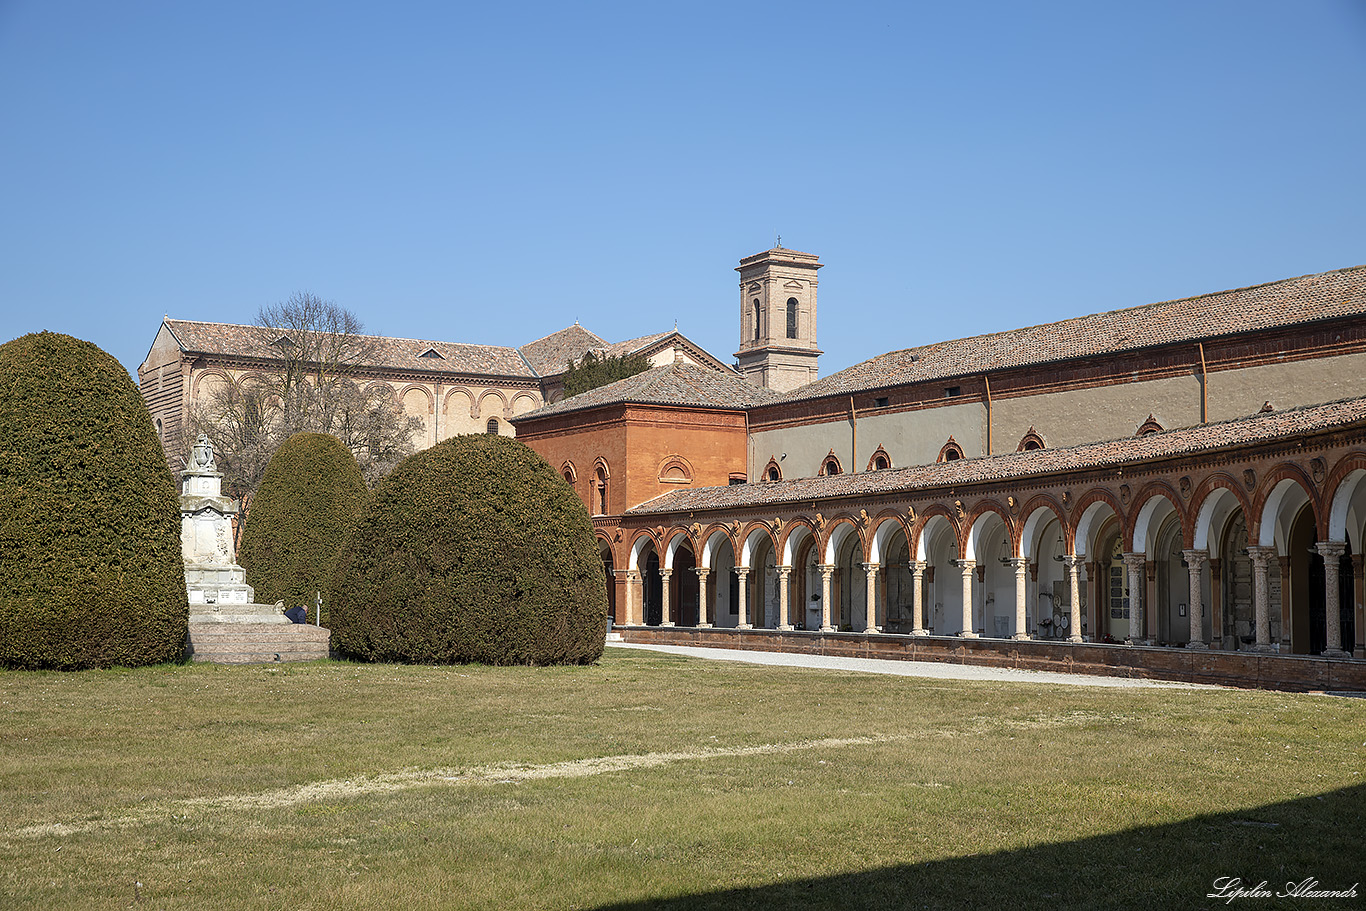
x=1138 y=455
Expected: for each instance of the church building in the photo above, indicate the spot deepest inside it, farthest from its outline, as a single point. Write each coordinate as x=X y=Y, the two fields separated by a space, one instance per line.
x=1189 y=473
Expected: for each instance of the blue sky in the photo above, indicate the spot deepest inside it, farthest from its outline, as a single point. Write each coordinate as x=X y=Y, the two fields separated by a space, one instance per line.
x=490 y=173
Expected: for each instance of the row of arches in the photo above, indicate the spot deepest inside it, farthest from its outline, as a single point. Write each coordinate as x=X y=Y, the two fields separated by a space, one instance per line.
x=1241 y=563
x=464 y=409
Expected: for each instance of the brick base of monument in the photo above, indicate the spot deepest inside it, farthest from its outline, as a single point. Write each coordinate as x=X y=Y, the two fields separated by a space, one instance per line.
x=256 y=643
x=1292 y=673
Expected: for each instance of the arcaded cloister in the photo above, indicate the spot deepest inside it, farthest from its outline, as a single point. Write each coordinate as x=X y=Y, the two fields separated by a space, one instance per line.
x=1245 y=535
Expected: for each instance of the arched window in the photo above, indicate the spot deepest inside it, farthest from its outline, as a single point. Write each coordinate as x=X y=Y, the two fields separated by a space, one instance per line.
x=1149 y=426
x=772 y=472
x=492 y=426
x=791 y=317
x=831 y=466
x=880 y=461
x=1030 y=442
x=160 y=435
x=951 y=451
x=756 y=319
x=600 y=488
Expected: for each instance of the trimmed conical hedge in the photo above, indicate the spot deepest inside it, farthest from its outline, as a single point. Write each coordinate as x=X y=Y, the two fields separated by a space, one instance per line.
x=474 y=550
x=90 y=568
x=310 y=495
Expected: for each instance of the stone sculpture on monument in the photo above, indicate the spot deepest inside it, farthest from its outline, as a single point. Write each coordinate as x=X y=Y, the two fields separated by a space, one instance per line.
x=226 y=625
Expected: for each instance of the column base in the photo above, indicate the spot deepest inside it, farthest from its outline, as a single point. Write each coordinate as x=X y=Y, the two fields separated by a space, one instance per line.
x=786 y=628
x=1197 y=645
x=920 y=632
x=744 y=626
x=703 y=626
x=968 y=634
x=1075 y=639
x=1262 y=648
x=667 y=623
x=1020 y=636
x=827 y=629
x=1335 y=653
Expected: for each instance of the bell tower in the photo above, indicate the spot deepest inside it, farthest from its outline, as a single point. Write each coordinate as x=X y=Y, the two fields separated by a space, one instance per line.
x=778 y=318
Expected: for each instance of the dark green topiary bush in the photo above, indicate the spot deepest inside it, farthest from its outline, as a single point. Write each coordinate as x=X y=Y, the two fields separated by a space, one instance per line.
x=310 y=495
x=90 y=567
x=475 y=550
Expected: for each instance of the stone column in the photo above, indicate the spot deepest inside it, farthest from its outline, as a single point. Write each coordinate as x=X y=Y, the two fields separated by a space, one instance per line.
x=664 y=617
x=742 y=617
x=1216 y=602
x=1332 y=552
x=968 y=568
x=1261 y=560
x=1021 y=567
x=827 y=570
x=1358 y=583
x=918 y=598
x=633 y=598
x=784 y=611
x=702 y=573
x=1073 y=564
x=1138 y=581
x=1195 y=562
x=870 y=600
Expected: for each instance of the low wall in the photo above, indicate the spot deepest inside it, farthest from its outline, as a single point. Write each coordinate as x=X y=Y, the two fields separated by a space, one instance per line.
x=1293 y=673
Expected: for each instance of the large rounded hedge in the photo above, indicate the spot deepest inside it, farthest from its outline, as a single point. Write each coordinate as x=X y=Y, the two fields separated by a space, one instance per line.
x=474 y=550
x=90 y=568
x=310 y=495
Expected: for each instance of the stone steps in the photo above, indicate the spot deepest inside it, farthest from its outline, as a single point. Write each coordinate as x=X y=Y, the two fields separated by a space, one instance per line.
x=256 y=643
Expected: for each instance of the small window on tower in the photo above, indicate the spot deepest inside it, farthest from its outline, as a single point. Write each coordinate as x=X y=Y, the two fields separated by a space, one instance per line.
x=756 y=319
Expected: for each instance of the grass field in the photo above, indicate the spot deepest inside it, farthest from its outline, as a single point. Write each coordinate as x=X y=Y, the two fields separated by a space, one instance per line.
x=650 y=781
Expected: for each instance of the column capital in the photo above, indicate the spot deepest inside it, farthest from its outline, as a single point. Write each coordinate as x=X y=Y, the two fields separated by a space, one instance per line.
x=870 y=567
x=1072 y=561
x=1195 y=558
x=827 y=569
x=782 y=570
x=1019 y=564
x=1261 y=555
x=1328 y=549
x=702 y=571
x=967 y=565
x=741 y=571
x=1135 y=561
x=632 y=575
x=917 y=567
x=666 y=573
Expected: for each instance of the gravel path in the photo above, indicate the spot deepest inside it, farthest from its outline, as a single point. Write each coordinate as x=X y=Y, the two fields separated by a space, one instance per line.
x=934 y=669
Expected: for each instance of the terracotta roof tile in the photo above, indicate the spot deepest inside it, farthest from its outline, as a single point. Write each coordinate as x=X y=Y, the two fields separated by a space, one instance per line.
x=551 y=355
x=1255 y=429
x=1327 y=295
x=399 y=353
x=679 y=383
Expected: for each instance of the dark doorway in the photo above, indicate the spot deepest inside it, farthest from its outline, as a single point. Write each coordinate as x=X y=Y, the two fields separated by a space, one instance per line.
x=652 y=590
x=685 y=583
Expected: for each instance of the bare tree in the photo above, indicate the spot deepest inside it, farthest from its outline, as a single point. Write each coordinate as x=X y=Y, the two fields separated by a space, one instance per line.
x=319 y=349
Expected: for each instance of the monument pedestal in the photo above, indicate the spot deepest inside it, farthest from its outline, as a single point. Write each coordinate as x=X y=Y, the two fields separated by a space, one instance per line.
x=226 y=625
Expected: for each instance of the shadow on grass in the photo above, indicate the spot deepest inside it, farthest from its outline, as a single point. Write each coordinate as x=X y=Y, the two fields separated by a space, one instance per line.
x=1321 y=838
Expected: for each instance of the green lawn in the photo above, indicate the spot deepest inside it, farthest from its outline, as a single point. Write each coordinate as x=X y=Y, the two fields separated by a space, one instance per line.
x=655 y=781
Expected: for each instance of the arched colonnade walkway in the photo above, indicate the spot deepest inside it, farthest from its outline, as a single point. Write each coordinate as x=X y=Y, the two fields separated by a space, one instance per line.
x=1263 y=557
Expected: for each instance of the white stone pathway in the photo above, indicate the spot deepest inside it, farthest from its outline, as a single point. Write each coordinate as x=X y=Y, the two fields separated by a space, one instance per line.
x=935 y=669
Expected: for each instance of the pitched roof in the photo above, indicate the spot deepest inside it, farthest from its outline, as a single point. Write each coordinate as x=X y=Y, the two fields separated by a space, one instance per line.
x=1255 y=429
x=551 y=355
x=1291 y=301
x=401 y=353
x=680 y=383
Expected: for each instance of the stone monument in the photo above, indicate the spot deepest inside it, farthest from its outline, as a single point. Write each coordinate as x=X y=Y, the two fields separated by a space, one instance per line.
x=226 y=625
